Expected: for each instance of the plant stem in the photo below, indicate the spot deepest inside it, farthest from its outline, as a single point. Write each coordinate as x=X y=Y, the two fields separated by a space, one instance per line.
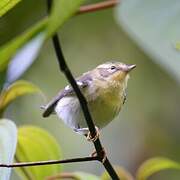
x=101 y=156
x=49 y=162
x=83 y=103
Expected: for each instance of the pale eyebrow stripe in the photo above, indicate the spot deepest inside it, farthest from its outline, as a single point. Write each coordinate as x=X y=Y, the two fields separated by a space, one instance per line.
x=104 y=66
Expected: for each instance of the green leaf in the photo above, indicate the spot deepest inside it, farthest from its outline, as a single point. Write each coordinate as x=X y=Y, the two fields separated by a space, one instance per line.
x=74 y=175
x=122 y=174
x=15 y=90
x=154 y=29
x=36 y=144
x=8 y=141
x=83 y=175
x=6 y=5
x=61 y=11
x=10 y=49
x=155 y=165
x=2 y=79
x=24 y=57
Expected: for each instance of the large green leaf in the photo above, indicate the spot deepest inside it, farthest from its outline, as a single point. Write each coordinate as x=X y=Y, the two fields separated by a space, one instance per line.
x=154 y=26
x=11 y=48
x=155 y=165
x=122 y=173
x=61 y=11
x=15 y=90
x=8 y=141
x=36 y=144
x=6 y=5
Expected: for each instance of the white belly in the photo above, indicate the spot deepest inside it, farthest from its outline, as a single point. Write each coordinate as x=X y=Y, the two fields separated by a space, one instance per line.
x=69 y=111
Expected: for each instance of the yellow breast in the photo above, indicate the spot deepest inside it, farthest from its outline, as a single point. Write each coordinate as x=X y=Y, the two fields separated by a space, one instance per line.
x=106 y=105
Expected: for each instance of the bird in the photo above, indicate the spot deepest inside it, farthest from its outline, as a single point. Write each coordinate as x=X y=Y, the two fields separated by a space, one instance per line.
x=104 y=88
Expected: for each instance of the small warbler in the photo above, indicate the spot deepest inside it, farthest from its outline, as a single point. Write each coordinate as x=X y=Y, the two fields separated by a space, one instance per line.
x=104 y=89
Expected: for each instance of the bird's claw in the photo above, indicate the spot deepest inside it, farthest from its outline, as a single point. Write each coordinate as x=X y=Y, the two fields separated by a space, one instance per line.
x=96 y=136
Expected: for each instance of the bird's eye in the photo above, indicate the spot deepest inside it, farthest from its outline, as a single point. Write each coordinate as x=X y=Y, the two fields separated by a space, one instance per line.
x=113 y=67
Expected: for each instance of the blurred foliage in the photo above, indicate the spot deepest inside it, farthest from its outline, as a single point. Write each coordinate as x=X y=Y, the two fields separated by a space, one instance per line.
x=2 y=79
x=155 y=30
x=36 y=144
x=6 y=5
x=17 y=89
x=61 y=11
x=74 y=175
x=8 y=130
x=83 y=175
x=150 y=118
x=24 y=58
x=177 y=46
x=8 y=140
x=155 y=165
x=9 y=49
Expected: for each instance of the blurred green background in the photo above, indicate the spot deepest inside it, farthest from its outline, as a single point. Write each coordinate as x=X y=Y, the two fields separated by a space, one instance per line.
x=148 y=124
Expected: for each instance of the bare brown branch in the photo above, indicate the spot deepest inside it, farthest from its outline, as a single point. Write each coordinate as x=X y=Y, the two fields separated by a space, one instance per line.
x=97 y=6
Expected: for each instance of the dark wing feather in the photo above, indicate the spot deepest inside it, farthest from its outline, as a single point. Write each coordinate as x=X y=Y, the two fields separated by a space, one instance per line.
x=82 y=82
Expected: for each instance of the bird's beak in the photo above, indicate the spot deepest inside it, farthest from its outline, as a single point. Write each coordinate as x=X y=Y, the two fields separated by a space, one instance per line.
x=128 y=68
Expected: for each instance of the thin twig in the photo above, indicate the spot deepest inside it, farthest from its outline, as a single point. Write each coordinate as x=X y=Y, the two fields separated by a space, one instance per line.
x=97 y=6
x=48 y=162
x=83 y=103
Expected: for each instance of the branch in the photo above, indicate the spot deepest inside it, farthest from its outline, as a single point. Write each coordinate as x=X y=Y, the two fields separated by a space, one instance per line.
x=83 y=103
x=64 y=68
x=48 y=162
x=97 y=6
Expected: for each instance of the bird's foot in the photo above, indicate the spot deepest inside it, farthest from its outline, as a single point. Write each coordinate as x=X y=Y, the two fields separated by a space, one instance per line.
x=102 y=155
x=95 y=137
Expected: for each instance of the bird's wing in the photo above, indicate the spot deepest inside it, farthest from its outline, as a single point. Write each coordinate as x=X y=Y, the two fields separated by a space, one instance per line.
x=83 y=81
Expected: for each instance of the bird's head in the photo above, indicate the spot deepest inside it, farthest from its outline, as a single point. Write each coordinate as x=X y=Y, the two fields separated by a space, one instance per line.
x=114 y=71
